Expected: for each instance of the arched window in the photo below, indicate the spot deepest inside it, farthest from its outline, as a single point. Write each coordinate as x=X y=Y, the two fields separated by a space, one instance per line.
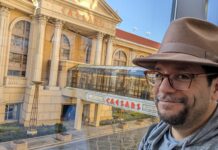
x=65 y=48
x=119 y=59
x=19 y=49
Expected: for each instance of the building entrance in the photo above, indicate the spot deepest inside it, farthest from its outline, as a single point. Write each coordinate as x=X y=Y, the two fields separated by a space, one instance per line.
x=68 y=112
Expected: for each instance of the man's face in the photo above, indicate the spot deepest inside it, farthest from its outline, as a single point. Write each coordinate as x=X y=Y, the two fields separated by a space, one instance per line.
x=179 y=107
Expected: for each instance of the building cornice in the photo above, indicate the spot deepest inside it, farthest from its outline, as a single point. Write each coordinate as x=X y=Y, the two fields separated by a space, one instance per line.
x=135 y=46
x=22 y=5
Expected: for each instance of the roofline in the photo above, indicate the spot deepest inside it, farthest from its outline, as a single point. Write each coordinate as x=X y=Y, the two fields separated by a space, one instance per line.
x=119 y=19
x=136 y=39
x=109 y=67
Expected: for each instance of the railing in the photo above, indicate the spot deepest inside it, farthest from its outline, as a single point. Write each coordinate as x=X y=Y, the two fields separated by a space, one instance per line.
x=12 y=81
x=114 y=80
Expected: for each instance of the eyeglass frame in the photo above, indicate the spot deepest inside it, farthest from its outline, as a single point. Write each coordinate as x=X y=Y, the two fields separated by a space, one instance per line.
x=170 y=80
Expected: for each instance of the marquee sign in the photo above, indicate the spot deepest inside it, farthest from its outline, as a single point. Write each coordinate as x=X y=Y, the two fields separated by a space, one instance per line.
x=122 y=102
x=126 y=104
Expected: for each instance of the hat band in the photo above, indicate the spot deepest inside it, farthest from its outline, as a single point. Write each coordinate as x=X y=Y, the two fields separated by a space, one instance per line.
x=187 y=49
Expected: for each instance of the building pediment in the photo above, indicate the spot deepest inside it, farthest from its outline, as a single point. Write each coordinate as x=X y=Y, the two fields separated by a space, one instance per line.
x=91 y=14
x=97 y=6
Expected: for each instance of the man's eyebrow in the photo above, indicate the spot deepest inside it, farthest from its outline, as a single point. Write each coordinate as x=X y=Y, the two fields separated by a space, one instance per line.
x=183 y=68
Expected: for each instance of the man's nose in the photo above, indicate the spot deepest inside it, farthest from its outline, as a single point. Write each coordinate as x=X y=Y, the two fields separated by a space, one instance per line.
x=165 y=86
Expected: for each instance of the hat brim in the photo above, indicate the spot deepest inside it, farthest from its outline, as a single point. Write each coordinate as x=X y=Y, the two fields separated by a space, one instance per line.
x=150 y=61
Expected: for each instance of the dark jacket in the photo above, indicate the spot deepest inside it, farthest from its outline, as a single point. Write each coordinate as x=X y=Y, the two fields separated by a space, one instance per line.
x=205 y=138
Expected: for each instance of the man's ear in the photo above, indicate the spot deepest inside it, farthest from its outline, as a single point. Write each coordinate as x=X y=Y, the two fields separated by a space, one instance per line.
x=215 y=90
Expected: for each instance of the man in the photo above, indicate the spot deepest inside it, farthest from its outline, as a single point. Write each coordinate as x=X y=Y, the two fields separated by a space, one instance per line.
x=184 y=76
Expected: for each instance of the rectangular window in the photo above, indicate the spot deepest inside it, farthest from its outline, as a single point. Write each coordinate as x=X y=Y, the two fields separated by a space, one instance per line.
x=14 y=73
x=12 y=111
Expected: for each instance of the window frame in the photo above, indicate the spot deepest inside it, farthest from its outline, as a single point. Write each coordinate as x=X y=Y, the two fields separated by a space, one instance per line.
x=118 y=60
x=19 y=48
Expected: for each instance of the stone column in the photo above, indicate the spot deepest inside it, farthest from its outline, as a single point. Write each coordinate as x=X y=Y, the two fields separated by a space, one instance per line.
x=55 y=55
x=99 y=49
x=132 y=56
x=93 y=51
x=38 y=57
x=97 y=114
x=97 y=61
x=4 y=24
x=91 y=112
x=32 y=46
x=109 y=54
x=79 y=111
x=109 y=51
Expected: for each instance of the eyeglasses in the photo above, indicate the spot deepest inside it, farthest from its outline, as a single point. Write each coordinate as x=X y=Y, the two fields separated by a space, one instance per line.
x=179 y=81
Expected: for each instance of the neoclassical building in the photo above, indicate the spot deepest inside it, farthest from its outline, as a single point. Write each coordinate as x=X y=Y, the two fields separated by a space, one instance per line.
x=40 y=40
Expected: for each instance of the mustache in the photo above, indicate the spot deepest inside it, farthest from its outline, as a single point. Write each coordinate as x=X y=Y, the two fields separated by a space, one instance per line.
x=170 y=98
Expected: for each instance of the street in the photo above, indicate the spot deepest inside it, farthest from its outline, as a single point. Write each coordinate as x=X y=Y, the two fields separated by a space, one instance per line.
x=127 y=140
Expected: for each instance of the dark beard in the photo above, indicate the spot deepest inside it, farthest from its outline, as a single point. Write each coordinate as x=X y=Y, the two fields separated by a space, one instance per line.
x=177 y=119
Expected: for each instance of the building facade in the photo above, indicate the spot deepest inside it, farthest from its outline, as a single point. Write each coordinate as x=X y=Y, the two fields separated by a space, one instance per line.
x=41 y=40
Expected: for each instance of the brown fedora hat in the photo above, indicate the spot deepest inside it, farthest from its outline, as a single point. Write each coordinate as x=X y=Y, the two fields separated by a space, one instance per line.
x=187 y=40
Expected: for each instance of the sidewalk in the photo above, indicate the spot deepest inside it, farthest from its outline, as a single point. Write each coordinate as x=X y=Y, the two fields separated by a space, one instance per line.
x=87 y=132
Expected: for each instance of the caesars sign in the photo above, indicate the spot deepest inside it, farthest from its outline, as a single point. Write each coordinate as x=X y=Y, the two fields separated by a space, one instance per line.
x=127 y=103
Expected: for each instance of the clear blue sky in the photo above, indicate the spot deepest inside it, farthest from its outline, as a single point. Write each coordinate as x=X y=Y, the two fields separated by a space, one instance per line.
x=146 y=18
x=150 y=18
x=212 y=14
